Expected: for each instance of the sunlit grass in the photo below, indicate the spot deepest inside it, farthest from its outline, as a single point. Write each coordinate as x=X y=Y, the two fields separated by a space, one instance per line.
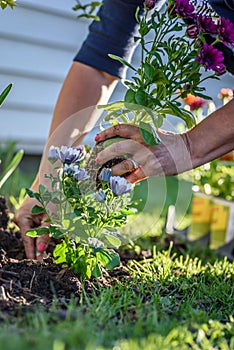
x=170 y=301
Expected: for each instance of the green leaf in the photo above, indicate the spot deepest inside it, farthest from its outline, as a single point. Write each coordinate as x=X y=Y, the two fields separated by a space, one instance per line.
x=114 y=241
x=203 y=96
x=39 y=231
x=149 y=71
x=96 y=272
x=130 y=96
x=30 y=193
x=5 y=93
x=183 y=114
x=115 y=106
x=57 y=232
x=11 y=167
x=121 y=60
x=42 y=189
x=149 y=134
x=159 y=77
x=60 y=253
x=141 y=97
x=38 y=210
x=108 y=258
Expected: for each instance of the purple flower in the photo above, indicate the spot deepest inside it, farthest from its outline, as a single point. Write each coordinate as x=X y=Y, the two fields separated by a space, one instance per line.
x=105 y=174
x=211 y=58
x=182 y=8
x=207 y=25
x=149 y=4
x=119 y=185
x=70 y=155
x=226 y=31
x=99 y=195
x=81 y=174
x=70 y=169
x=192 y=31
x=52 y=154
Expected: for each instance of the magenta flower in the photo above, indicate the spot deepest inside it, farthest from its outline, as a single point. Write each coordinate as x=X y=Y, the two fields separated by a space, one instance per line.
x=183 y=8
x=192 y=31
x=207 y=25
x=226 y=31
x=149 y=4
x=211 y=58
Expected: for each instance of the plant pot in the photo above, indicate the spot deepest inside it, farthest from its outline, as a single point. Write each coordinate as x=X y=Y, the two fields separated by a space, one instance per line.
x=201 y=217
x=94 y=169
x=222 y=223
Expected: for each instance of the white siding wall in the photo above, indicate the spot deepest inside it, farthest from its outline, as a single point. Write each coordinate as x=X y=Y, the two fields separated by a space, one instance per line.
x=38 y=41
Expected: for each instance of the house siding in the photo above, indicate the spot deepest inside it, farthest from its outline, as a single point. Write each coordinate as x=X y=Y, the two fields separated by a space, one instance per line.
x=38 y=42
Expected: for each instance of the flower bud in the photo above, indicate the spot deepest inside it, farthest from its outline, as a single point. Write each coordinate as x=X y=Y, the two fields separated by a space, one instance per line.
x=192 y=31
x=149 y=4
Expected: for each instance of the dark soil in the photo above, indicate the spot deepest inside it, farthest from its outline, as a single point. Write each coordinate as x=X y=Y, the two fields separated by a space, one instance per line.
x=26 y=283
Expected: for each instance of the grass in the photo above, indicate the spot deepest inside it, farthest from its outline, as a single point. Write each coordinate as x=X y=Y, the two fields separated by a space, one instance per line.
x=170 y=301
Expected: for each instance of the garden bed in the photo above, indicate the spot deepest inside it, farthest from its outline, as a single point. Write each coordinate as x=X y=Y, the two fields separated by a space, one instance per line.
x=171 y=299
x=27 y=283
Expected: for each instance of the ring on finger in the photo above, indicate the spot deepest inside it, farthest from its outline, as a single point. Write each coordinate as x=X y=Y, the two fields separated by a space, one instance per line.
x=135 y=164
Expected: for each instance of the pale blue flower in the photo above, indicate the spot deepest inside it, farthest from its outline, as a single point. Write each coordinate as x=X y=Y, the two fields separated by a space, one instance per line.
x=70 y=155
x=94 y=242
x=105 y=174
x=52 y=154
x=99 y=195
x=119 y=185
x=81 y=174
x=70 y=169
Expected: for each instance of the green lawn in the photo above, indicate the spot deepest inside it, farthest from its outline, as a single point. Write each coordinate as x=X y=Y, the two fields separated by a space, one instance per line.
x=170 y=301
x=182 y=300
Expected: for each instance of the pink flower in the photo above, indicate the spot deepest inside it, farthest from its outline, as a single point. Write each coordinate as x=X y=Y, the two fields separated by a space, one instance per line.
x=192 y=31
x=194 y=102
x=207 y=25
x=211 y=58
x=149 y=4
x=182 y=8
x=226 y=31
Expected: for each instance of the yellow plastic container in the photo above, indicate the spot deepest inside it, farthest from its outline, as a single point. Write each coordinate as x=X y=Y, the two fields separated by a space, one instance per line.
x=200 y=216
x=222 y=223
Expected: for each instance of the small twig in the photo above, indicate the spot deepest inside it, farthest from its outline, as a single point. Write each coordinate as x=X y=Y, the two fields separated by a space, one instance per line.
x=4 y=293
x=9 y=272
x=31 y=282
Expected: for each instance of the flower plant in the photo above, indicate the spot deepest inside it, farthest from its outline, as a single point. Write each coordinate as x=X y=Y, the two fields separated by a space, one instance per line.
x=83 y=214
x=177 y=46
x=85 y=209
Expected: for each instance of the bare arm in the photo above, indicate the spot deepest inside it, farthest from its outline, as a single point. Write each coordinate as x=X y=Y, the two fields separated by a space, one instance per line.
x=176 y=153
x=213 y=137
x=83 y=87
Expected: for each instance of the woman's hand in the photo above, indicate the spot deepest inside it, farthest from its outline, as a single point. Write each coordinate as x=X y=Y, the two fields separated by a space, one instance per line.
x=170 y=157
x=34 y=248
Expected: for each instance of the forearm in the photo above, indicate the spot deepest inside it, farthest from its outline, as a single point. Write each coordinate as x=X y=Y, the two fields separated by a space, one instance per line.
x=83 y=87
x=213 y=137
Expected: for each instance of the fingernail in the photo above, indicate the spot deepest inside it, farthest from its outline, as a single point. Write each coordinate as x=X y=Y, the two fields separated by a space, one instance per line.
x=41 y=247
x=97 y=137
